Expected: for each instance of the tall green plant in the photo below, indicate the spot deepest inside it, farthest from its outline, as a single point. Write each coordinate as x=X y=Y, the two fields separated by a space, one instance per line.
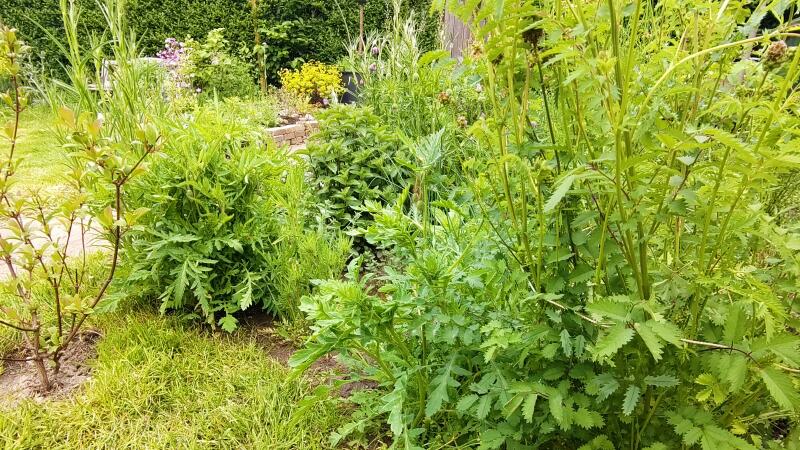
x=646 y=297
x=40 y=239
x=226 y=228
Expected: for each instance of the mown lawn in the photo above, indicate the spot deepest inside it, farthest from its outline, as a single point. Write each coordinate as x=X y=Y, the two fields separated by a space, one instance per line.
x=41 y=156
x=159 y=384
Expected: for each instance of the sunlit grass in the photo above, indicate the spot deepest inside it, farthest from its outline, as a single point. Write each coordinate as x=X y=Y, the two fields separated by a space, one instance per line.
x=41 y=156
x=159 y=384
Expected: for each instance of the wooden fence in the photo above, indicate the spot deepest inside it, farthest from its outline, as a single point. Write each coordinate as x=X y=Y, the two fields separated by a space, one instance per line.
x=456 y=36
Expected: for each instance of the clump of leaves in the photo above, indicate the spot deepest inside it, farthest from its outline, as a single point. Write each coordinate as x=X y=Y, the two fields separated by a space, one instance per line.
x=213 y=71
x=356 y=160
x=225 y=229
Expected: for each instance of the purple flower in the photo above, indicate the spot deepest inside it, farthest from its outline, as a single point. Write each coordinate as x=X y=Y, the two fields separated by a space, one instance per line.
x=373 y=67
x=375 y=51
x=325 y=101
x=172 y=53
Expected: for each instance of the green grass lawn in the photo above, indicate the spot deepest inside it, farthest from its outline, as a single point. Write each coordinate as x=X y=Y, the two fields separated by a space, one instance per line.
x=159 y=384
x=40 y=154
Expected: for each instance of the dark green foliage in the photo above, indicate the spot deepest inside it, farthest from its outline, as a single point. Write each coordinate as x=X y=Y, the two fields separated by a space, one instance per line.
x=224 y=230
x=293 y=30
x=356 y=160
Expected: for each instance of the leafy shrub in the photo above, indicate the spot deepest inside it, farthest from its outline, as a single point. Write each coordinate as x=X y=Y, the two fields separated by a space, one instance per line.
x=214 y=71
x=252 y=114
x=225 y=231
x=54 y=290
x=314 y=80
x=611 y=277
x=418 y=93
x=355 y=160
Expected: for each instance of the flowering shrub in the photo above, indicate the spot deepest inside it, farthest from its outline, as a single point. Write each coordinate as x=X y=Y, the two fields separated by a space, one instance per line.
x=173 y=53
x=314 y=79
x=213 y=70
x=177 y=86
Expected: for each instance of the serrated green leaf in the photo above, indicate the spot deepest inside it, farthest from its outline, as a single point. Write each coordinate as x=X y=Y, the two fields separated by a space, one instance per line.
x=228 y=323
x=781 y=388
x=440 y=384
x=244 y=295
x=784 y=346
x=556 y=402
x=512 y=405
x=612 y=310
x=587 y=419
x=735 y=325
x=566 y=343
x=661 y=381
x=180 y=283
x=613 y=340
x=666 y=331
x=466 y=402
x=492 y=439
x=736 y=371
x=603 y=386
x=484 y=406
x=529 y=406
x=631 y=399
x=560 y=191
x=650 y=339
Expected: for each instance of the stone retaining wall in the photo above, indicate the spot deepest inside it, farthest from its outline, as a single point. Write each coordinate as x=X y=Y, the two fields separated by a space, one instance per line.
x=295 y=134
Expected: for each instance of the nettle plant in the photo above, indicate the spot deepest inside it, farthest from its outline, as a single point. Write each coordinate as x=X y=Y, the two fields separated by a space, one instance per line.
x=43 y=244
x=616 y=279
x=355 y=159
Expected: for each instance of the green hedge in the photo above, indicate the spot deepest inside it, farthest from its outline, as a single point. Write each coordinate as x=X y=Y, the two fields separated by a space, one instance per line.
x=294 y=30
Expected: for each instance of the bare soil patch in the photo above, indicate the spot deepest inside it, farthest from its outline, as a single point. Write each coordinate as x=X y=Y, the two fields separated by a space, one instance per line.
x=262 y=328
x=19 y=380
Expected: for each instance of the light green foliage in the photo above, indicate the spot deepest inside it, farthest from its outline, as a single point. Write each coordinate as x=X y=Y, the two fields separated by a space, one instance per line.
x=613 y=253
x=415 y=92
x=213 y=70
x=239 y=119
x=159 y=384
x=40 y=234
x=225 y=227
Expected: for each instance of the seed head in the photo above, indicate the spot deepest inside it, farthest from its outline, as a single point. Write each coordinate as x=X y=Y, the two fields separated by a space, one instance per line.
x=775 y=54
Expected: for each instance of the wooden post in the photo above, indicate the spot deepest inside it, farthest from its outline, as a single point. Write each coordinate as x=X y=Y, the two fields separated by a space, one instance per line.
x=259 y=51
x=361 y=41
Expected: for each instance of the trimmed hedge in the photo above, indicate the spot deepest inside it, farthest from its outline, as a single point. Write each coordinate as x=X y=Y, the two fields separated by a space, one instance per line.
x=294 y=30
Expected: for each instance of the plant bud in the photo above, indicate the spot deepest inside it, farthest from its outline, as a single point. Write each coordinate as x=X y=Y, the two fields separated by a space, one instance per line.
x=775 y=54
